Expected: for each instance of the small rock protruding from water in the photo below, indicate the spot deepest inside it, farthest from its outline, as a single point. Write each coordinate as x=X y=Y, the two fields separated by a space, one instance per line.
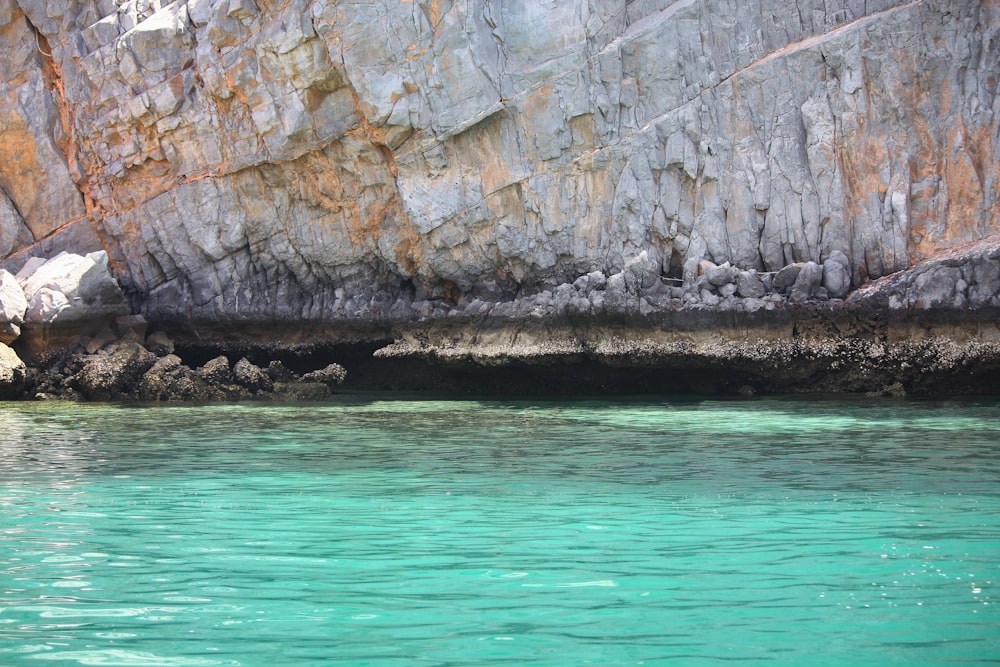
x=251 y=376
x=331 y=375
x=217 y=371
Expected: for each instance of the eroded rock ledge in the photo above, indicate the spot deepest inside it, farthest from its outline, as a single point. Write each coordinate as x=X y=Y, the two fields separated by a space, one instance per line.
x=699 y=192
x=934 y=328
x=68 y=317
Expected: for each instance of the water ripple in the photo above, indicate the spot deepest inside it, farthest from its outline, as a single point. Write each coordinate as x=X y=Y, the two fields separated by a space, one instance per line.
x=378 y=532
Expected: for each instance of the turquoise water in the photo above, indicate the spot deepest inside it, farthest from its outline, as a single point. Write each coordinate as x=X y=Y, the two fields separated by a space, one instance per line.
x=387 y=531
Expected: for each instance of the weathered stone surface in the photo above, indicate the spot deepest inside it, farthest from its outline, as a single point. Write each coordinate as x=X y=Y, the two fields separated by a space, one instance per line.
x=807 y=282
x=837 y=275
x=67 y=297
x=330 y=375
x=12 y=307
x=278 y=372
x=324 y=161
x=749 y=285
x=168 y=377
x=786 y=277
x=109 y=373
x=169 y=380
x=721 y=275
x=159 y=343
x=251 y=376
x=960 y=279
x=12 y=373
x=217 y=371
x=71 y=288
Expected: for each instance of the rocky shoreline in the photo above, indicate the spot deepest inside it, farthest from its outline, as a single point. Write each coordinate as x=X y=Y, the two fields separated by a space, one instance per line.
x=931 y=329
x=499 y=196
x=68 y=319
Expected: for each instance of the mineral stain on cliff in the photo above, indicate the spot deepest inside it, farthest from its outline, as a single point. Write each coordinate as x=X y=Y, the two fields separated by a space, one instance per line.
x=311 y=173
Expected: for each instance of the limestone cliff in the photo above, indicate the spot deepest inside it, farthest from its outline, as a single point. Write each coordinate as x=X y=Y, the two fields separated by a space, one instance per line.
x=289 y=161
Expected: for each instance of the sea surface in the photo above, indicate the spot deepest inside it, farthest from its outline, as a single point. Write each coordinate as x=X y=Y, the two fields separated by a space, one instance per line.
x=396 y=530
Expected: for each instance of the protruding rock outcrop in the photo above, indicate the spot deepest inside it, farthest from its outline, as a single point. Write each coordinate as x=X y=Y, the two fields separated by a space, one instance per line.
x=68 y=297
x=932 y=328
x=84 y=343
x=13 y=373
x=13 y=305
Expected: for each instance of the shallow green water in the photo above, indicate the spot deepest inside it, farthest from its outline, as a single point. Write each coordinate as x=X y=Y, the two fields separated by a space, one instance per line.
x=371 y=531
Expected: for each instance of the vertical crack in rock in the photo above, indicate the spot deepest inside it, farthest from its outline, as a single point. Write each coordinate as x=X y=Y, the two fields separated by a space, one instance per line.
x=407 y=253
x=67 y=142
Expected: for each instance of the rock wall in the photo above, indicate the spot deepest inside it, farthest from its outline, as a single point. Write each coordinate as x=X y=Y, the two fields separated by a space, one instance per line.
x=288 y=160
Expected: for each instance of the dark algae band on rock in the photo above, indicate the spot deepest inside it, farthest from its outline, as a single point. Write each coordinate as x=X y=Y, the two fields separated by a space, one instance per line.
x=764 y=195
x=905 y=333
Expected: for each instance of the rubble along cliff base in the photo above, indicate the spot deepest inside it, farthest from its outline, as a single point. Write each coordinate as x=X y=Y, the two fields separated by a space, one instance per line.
x=800 y=350
x=909 y=333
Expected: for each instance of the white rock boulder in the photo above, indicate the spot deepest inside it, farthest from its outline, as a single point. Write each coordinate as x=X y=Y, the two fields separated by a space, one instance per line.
x=12 y=307
x=67 y=297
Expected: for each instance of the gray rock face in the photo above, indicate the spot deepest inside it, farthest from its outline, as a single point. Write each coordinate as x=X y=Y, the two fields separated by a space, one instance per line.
x=68 y=288
x=837 y=275
x=807 y=282
x=749 y=285
x=721 y=275
x=966 y=278
x=787 y=276
x=246 y=160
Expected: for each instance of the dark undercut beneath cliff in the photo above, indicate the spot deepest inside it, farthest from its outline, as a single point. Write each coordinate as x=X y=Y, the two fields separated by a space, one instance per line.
x=841 y=348
x=932 y=329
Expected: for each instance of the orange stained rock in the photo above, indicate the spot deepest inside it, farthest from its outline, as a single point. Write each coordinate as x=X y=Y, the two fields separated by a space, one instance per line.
x=965 y=187
x=21 y=172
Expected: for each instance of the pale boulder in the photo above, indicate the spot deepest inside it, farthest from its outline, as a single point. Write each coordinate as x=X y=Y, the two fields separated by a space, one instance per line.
x=12 y=307
x=12 y=373
x=68 y=296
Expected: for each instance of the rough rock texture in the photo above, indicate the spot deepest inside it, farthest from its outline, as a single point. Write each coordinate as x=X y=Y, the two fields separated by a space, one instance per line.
x=272 y=162
x=12 y=373
x=67 y=297
x=12 y=307
x=330 y=375
x=125 y=369
x=931 y=328
x=106 y=376
x=965 y=279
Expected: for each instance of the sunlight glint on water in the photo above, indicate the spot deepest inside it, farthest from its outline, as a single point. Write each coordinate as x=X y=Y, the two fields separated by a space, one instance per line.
x=368 y=531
